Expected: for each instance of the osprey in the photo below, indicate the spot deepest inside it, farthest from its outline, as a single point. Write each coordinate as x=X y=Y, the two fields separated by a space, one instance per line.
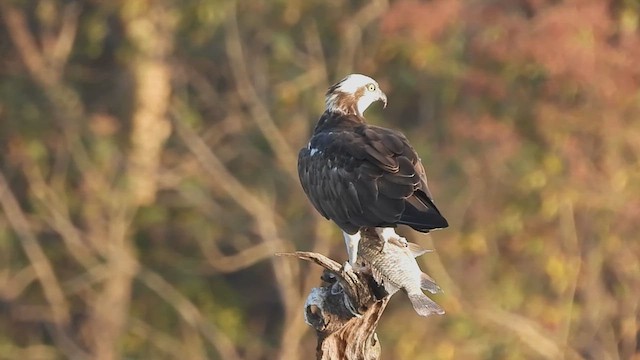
x=360 y=175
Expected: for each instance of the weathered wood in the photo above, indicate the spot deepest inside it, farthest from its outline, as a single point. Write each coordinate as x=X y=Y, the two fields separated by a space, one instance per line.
x=344 y=311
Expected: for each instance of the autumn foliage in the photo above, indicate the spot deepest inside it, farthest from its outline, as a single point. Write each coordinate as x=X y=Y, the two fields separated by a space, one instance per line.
x=148 y=173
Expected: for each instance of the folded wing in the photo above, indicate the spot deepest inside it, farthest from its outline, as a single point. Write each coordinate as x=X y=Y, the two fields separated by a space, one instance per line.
x=368 y=176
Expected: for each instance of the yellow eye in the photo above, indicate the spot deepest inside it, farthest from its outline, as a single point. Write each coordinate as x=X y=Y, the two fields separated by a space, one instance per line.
x=371 y=87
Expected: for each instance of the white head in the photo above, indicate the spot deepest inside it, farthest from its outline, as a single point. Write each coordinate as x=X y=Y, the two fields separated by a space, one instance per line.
x=354 y=94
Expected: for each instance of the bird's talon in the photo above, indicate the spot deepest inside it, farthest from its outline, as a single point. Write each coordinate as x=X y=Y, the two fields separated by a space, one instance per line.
x=399 y=241
x=403 y=242
x=347 y=267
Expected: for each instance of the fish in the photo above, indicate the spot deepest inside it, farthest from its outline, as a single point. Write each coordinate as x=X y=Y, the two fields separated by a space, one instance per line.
x=393 y=266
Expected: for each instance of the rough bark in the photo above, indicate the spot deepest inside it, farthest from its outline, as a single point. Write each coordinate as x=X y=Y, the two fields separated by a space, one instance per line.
x=331 y=310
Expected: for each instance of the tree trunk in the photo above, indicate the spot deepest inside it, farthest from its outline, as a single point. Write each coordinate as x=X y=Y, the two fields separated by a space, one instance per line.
x=150 y=28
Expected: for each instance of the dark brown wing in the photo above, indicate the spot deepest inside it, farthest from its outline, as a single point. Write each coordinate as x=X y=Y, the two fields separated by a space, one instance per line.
x=331 y=186
x=405 y=179
x=367 y=176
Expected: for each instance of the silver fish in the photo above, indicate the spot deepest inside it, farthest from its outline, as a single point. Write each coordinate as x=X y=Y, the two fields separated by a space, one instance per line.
x=393 y=265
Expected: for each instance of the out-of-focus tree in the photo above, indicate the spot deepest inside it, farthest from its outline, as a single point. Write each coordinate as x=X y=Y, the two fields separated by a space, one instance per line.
x=148 y=173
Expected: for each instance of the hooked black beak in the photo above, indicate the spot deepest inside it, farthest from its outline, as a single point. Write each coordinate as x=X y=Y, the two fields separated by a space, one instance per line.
x=383 y=98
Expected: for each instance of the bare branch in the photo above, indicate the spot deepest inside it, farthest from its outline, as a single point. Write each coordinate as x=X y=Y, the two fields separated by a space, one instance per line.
x=240 y=260
x=353 y=33
x=259 y=111
x=162 y=341
x=319 y=259
x=66 y=37
x=58 y=215
x=219 y=173
x=26 y=44
x=65 y=100
x=572 y=244
x=41 y=265
x=264 y=216
x=189 y=313
x=314 y=47
x=12 y=287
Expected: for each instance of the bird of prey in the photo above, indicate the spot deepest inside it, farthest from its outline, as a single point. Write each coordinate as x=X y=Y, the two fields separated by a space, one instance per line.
x=360 y=175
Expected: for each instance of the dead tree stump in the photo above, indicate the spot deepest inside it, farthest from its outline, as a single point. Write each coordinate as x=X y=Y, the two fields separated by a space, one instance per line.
x=344 y=311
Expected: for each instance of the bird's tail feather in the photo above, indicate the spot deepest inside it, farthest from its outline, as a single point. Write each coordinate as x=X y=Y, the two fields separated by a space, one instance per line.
x=422 y=214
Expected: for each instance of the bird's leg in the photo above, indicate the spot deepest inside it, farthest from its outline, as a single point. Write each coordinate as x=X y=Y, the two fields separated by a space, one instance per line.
x=389 y=235
x=352 y=242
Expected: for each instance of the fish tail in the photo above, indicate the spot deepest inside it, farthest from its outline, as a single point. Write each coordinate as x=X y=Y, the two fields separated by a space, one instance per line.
x=425 y=306
x=427 y=283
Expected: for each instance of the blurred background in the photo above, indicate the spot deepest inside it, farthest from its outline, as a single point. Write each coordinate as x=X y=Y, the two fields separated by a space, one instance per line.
x=148 y=173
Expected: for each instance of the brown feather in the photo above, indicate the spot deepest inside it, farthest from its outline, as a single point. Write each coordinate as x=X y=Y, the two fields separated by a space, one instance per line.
x=365 y=176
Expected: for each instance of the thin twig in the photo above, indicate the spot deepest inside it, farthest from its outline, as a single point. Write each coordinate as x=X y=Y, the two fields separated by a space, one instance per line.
x=238 y=261
x=162 y=341
x=66 y=37
x=573 y=246
x=41 y=265
x=58 y=216
x=26 y=44
x=215 y=168
x=353 y=33
x=12 y=287
x=259 y=111
x=66 y=101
